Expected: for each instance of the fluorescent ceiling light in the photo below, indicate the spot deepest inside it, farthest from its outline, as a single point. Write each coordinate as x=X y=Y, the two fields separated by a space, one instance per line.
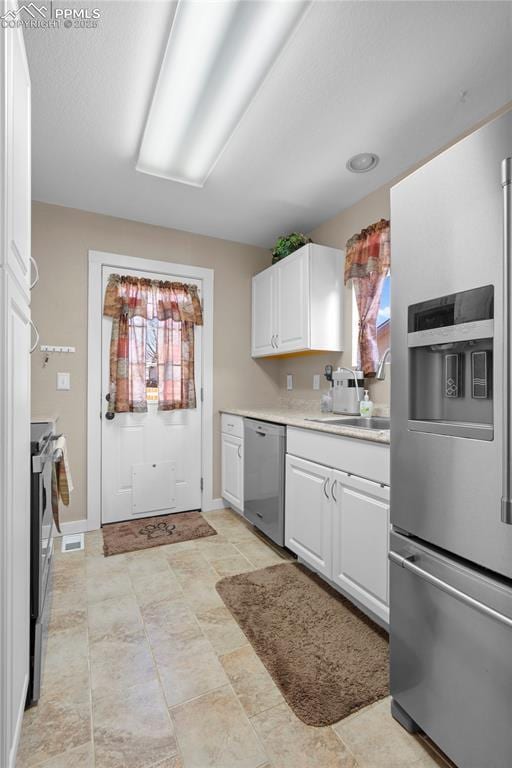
x=218 y=55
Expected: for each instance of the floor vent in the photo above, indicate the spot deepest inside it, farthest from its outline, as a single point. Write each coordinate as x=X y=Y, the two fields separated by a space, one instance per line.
x=72 y=542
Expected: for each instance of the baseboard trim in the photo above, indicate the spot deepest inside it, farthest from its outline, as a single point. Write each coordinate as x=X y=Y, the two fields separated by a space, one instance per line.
x=74 y=526
x=214 y=504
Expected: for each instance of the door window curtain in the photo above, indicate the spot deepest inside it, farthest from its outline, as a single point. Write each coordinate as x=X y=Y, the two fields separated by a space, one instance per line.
x=131 y=302
x=367 y=262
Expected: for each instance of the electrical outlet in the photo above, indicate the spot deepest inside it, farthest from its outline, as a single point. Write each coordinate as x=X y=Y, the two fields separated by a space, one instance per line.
x=63 y=381
x=289 y=381
x=316 y=381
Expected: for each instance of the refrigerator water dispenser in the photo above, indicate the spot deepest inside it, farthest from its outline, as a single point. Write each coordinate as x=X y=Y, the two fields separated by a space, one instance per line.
x=450 y=342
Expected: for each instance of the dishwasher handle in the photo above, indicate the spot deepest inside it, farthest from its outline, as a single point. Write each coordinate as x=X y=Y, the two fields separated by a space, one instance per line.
x=409 y=565
x=264 y=429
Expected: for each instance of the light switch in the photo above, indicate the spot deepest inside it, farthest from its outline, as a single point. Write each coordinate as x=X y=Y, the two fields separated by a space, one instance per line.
x=316 y=381
x=63 y=381
x=289 y=381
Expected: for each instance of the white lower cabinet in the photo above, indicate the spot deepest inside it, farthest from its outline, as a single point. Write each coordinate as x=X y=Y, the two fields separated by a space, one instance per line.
x=232 y=459
x=339 y=525
x=360 y=535
x=308 y=513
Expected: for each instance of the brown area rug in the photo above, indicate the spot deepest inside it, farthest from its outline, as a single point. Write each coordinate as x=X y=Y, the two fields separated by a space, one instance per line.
x=327 y=658
x=149 y=532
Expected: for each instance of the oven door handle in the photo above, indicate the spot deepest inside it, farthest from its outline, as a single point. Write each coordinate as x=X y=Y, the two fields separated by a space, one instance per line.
x=36 y=272
x=36 y=342
x=409 y=565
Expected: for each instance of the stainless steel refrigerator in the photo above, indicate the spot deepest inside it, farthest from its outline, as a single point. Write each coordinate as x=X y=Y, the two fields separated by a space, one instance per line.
x=451 y=507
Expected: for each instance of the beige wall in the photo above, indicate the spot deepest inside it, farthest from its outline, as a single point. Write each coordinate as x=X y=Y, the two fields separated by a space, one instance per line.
x=61 y=239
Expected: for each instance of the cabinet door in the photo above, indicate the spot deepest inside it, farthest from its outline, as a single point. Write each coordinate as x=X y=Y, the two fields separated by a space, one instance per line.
x=232 y=457
x=18 y=158
x=264 y=313
x=308 y=513
x=361 y=540
x=293 y=305
x=15 y=510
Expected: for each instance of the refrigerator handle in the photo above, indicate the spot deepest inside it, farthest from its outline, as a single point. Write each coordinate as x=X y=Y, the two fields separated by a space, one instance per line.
x=409 y=565
x=506 y=499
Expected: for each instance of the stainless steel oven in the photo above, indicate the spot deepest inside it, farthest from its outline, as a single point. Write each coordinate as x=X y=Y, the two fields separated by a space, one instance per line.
x=41 y=549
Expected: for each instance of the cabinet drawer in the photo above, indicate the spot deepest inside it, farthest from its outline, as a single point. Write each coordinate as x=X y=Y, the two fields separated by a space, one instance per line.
x=348 y=454
x=369 y=487
x=232 y=425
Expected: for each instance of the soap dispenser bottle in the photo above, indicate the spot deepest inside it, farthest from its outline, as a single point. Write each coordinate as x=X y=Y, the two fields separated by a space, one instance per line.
x=366 y=406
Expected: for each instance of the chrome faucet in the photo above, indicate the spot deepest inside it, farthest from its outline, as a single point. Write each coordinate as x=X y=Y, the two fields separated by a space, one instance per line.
x=381 y=373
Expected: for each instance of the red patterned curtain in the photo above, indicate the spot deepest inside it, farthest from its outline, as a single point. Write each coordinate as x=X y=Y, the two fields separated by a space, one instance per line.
x=367 y=261
x=131 y=302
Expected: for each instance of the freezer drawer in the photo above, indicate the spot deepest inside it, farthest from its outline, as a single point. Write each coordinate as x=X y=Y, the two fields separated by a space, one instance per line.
x=451 y=653
x=264 y=453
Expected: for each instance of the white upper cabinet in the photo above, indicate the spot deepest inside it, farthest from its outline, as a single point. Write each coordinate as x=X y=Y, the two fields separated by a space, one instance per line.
x=297 y=304
x=293 y=306
x=264 y=296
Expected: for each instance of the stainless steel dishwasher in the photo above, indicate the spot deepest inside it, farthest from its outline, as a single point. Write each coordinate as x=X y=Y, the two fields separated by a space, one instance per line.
x=264 y=456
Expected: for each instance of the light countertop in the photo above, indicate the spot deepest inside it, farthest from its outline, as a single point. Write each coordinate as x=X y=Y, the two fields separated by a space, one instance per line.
x=302 y=419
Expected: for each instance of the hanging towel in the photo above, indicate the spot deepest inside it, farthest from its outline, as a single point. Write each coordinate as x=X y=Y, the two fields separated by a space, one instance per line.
x=55 y=496
x=65 y=483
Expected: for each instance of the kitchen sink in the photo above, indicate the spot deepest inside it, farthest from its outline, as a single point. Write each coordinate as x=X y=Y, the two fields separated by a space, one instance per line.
x=375 y=422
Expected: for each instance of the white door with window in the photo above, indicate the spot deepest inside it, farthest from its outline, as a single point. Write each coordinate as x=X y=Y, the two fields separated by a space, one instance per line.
x=151 y=462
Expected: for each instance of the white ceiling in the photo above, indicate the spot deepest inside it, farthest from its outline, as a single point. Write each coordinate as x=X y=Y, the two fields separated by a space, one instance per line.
x=382 y=77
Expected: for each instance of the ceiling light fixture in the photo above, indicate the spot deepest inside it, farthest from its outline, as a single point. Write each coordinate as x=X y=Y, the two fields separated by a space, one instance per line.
x=218 y=55
x=362 y=163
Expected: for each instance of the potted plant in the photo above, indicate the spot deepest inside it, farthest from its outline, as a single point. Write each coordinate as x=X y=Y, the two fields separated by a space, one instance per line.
x=286 y=244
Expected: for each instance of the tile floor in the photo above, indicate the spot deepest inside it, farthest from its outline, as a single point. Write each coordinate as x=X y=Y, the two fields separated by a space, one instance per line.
x=146 y=668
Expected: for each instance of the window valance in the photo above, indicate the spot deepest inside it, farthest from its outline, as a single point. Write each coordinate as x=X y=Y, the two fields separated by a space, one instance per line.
x=152 y=299
x=368 y=251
